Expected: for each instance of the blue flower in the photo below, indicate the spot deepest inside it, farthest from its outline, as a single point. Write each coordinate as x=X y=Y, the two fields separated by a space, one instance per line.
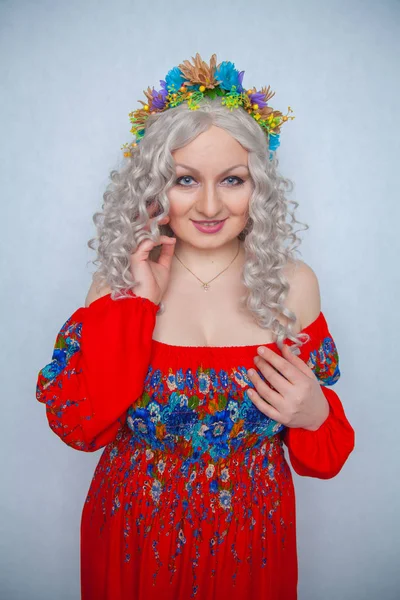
x=171 y=379
x=61 y=356
x=228 y=75
x=180 y=379
x=156 y=490
x=219 y=427
x=213 y=486
x=196 y=455
x=274 y=141
x=225 y=499
x=220 y=450
x=173 y=80
x=256 y=419
x=325 y=362
x=189 y=379
x=213 y=378
x=233 y=410
x=57 y=365
x=224 y=378
x=140 y=423
x=156 y=378
x=204 y=383
x=185 y=468
x=181 y=422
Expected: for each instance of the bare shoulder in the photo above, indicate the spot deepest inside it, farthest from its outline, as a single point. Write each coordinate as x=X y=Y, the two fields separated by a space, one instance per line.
x=305 y=291
x=95 y=291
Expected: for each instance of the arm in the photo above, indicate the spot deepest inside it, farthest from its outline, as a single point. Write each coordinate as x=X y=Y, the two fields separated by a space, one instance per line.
x=99 y=364
x=320 y=453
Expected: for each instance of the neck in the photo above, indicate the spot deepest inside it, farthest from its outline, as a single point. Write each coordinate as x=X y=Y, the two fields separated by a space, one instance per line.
x=208 y=262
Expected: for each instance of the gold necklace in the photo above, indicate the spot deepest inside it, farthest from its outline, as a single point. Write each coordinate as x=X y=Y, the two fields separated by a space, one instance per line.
x=206 y=284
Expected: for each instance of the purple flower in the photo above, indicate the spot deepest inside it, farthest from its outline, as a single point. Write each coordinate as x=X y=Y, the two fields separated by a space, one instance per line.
x=159 y=98
x=258 y=98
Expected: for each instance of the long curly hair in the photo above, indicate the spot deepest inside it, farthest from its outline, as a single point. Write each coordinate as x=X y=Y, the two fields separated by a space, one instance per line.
x=143 y=181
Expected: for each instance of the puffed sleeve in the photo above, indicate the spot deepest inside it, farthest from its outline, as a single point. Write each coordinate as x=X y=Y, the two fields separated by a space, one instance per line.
x=99 y=363
x=323 y=452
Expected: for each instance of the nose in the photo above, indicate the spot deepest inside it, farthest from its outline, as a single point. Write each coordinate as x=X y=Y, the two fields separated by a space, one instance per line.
x=209 y=202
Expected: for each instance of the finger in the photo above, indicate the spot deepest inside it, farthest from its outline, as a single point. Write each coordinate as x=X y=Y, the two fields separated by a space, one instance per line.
x=273 y=396
x=263 y=406
x=286 y=368
x=142 y=251
x=167 y=251
x=297 y=362
x=276 y=379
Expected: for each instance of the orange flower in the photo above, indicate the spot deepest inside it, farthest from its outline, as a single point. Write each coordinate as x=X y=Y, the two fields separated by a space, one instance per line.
x=200 y=72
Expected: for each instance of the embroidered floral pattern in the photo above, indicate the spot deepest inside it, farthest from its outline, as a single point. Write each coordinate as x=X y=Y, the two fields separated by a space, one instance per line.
x=199 y=501
x=202 y=411
x=66 y=345
x=57 y=374
x=195 y=461
x=325 y=362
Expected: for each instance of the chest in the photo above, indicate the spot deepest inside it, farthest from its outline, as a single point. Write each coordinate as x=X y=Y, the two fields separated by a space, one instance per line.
x=210 y=319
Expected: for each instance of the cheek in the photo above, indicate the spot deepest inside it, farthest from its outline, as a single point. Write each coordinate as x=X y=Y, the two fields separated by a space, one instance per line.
x=238 y=202
x=178 y=206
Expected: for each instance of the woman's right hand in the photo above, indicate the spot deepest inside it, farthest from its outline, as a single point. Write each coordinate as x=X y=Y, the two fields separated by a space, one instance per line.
x=152 y=277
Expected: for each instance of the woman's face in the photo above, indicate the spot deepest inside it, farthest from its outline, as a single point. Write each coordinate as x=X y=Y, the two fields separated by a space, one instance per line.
x=212 y=183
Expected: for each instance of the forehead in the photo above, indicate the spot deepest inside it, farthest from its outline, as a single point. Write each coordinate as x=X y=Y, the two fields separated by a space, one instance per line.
x=214 y=149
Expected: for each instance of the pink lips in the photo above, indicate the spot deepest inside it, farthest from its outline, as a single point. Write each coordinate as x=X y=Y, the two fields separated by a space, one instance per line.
x=209 y=229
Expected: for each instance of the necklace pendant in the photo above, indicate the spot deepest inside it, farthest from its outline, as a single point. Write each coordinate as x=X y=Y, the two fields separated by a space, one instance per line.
x=206 y=287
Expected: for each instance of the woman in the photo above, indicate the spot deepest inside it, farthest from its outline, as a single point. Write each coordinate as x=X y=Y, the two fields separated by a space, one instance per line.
x=177 y=366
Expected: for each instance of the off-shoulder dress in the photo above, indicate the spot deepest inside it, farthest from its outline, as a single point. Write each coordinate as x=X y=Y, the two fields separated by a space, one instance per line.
x=192 y=496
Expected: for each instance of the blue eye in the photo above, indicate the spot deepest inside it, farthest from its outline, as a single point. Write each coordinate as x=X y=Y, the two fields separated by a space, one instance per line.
x=238 y=179
x=184 y=177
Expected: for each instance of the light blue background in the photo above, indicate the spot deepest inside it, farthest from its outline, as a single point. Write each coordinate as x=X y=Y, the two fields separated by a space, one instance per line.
x=70 y=73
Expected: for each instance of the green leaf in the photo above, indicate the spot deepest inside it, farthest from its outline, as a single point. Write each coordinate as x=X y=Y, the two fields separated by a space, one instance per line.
x=222 y=400
x=193 y=402
x=145 y=399
x=60 y=343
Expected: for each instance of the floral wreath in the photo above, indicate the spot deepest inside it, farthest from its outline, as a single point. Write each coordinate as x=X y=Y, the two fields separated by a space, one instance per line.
x=192 y=82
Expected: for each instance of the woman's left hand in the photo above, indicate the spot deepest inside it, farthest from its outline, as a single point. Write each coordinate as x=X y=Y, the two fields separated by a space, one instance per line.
x=297 y=399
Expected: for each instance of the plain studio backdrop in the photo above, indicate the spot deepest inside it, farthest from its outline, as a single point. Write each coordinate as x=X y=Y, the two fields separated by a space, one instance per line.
x=70 y=74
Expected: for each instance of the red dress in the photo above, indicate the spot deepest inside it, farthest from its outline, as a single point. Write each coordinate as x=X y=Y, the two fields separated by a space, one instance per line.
x=192 y=496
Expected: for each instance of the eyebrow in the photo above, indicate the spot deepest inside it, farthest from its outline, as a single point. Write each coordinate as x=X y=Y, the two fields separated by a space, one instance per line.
x=223 y=172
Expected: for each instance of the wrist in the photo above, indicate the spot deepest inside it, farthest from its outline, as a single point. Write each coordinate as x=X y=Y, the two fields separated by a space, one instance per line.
x=322 y=419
